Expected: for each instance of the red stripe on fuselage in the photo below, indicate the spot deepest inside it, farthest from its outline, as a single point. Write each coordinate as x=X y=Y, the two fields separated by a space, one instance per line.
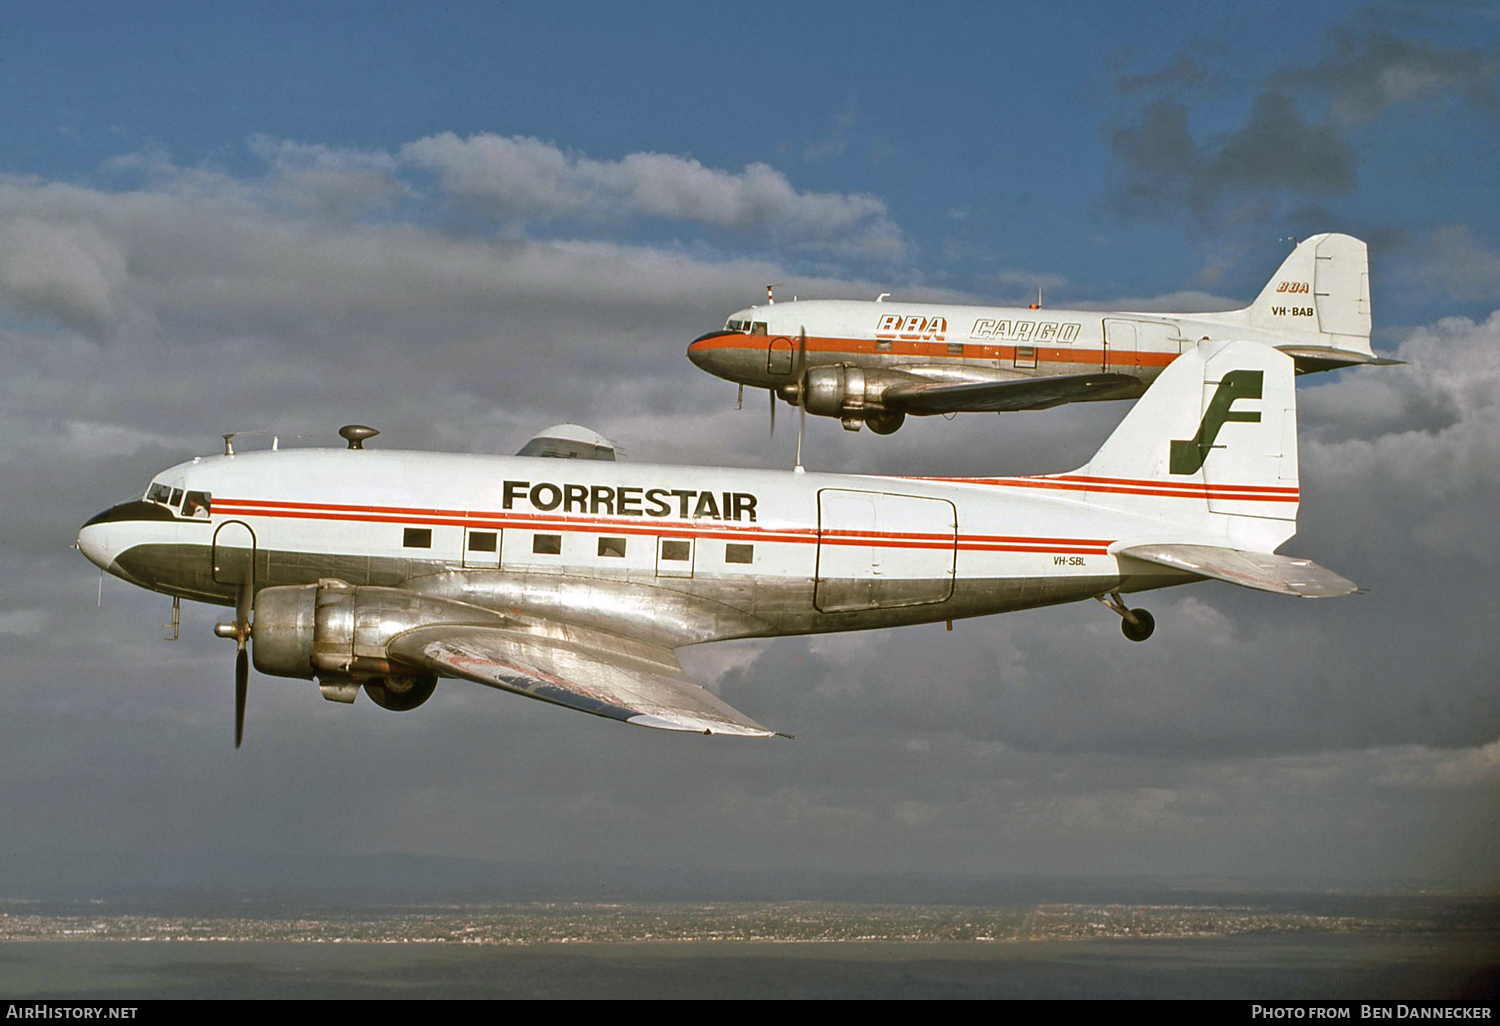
x=347 y=513
x=1125 y=486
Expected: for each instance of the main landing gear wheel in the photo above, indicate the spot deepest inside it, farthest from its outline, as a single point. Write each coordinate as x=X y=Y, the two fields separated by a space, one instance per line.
x=1141 y=629
x=1135 y=624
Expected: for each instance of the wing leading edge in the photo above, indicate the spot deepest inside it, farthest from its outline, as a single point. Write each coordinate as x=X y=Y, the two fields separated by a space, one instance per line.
x=1006 y=396
x=591 y=671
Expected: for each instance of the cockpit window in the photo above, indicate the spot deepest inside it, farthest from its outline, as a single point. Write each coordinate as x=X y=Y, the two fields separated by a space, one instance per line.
x=159 y=492
x=196 y=504
x=176 y=499
x=758 y=328
x=741 y=326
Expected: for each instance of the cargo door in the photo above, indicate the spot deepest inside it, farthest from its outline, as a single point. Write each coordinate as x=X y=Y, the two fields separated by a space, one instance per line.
x=883 y=550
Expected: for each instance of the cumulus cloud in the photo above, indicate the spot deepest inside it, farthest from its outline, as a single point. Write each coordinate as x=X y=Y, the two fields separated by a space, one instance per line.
x=330 y=180
x=529 y=179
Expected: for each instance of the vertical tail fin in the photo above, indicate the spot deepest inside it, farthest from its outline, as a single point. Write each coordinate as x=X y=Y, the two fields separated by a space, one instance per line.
x=1320 y=296
x=1211 y=446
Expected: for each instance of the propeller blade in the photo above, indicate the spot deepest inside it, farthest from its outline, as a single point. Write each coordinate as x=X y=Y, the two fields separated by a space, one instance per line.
x=771 y=392
x=801 y=392
x=244 y=604
x=241 y=684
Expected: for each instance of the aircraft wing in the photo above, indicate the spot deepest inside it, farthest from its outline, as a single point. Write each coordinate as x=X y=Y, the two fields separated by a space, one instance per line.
x=1005 y=396
x=1264 y=571
x=592 y=671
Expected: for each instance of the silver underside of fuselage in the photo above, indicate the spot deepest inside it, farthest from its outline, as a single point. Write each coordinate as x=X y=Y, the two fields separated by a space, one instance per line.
x=671 y=611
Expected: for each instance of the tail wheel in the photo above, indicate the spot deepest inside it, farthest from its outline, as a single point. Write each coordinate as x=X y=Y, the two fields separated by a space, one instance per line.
x=1142 y=627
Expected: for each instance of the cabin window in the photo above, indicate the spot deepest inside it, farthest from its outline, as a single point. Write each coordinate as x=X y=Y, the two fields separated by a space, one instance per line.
x=677 y=551
x=758 y=328
x=736 y=553
x=481 y=541
x=614 y=547
x=546 y=544
x=955 y=349
x=196 y=504
x=883 y=345
x=417 y=538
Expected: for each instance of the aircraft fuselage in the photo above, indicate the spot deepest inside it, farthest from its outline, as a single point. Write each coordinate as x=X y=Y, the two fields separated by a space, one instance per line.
x=677 y=555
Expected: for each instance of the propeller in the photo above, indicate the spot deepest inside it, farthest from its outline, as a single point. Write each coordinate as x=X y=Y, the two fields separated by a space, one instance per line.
x=240 y=629
x=771 y=392
x=801 y=393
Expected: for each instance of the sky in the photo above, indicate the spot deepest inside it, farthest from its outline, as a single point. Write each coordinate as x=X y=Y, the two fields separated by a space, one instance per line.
x=461 y=224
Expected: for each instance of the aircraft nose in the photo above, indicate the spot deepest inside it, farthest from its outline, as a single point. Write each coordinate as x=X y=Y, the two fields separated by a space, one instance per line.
x=707 y=351
x=105 y=535
x=93 y=542
x=698 y=352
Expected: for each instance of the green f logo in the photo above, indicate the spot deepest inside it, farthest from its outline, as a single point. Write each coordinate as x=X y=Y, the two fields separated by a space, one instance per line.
x=1188 y=454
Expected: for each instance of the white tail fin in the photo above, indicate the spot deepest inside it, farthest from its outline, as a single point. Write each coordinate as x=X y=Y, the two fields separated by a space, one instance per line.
x=1211 y=447
x=1320 y=296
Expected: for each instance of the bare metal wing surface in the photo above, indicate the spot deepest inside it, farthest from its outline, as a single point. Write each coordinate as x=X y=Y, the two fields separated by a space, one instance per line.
x=1008 y=396
x=1263 y=571
x=591 y=671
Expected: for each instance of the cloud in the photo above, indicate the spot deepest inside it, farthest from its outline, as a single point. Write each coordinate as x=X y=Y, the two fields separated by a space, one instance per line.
x=1161 y=170
x=528 y=179
x=1368 y=72
x=1451 y=262
x=330 y=180
x=62 y=270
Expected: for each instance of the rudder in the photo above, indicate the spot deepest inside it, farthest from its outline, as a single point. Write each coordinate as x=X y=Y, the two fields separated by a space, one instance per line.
x=1320 y=296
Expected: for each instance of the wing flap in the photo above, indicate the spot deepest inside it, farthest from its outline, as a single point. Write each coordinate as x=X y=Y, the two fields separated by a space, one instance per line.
x=591 y=671
x=1007 y=396
x=1264 y=571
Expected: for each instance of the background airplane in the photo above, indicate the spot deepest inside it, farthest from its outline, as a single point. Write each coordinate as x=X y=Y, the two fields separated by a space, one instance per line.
x=573 y=581
x=874 y=362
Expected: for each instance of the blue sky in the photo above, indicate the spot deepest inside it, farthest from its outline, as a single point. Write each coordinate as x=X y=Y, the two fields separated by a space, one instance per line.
x=463 y=223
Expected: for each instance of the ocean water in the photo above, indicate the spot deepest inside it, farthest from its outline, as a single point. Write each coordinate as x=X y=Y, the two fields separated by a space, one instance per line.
x=1261 y=966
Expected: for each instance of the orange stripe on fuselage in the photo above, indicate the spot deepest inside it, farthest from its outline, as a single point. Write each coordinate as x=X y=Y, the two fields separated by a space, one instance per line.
x=849 y=347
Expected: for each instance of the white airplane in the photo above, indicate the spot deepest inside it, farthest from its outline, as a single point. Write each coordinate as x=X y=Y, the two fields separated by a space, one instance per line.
x=573 y=582
x=874 y=362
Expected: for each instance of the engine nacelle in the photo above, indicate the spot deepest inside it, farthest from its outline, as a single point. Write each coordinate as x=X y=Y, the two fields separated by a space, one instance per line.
x=852 y=395
x=339 y=634
x=836 y=391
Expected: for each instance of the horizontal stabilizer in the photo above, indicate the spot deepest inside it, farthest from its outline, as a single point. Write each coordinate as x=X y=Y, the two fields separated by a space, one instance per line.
x=1264 y=571
x=591 y=671
x=1007 y=396
x=1310 y=359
